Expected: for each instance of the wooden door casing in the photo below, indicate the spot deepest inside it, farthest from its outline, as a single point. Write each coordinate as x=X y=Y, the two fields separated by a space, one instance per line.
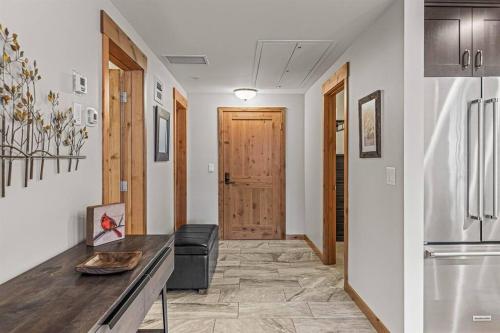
x=251 y=153
x=125 y=160
x=180 y=159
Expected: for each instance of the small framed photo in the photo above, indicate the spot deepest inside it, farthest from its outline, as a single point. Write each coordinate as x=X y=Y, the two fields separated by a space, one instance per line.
x=162 y=133
x=105 y=223
x=370 y=125
x=159 y=91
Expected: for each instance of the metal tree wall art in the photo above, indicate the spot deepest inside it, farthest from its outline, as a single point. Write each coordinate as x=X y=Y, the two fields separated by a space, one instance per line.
x=27 y=134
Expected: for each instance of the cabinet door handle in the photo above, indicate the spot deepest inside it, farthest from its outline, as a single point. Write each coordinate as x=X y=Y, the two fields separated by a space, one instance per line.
x=479 y=59
x=466 y=58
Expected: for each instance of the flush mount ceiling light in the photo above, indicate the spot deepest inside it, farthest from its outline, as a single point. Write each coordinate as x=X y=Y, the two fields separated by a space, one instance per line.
x=245 y=93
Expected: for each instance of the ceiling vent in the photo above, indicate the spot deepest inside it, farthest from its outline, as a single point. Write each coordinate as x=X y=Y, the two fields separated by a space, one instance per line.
x=187 y=59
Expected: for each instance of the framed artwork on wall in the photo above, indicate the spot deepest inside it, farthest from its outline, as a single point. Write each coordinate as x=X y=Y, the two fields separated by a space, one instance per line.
x=162 y=134
x=370 y=125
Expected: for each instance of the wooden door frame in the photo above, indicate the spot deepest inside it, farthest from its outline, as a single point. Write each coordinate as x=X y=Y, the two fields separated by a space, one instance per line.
x=119 y=48
x=179 y=102
x=220 y=114
x=335 y=84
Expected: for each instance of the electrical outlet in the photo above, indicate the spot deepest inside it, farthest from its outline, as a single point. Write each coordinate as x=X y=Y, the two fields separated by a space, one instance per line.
x=390 y=176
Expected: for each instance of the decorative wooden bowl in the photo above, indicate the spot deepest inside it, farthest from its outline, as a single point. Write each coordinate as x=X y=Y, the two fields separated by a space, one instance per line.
x=110 y=262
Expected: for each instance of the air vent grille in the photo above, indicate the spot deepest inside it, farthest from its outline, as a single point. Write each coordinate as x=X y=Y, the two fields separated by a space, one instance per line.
x=187 y=59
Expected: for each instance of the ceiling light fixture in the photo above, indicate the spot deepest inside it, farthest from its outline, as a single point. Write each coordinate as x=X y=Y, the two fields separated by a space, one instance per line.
x=245 y=93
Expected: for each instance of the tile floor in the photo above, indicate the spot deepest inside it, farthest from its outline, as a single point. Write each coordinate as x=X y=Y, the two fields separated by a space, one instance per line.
x=266 y=287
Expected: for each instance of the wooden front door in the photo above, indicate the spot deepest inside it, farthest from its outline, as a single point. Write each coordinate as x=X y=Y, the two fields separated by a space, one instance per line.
x=252 y=173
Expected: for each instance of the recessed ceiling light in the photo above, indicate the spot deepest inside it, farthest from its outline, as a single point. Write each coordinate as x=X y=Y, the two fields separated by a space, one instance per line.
x=245 y=93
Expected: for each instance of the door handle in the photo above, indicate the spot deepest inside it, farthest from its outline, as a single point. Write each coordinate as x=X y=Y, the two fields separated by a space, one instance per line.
x=479 y=162
x=227 y=178
x=478 y=60
x=494 y=102
x=432 y=254
x=466 y=61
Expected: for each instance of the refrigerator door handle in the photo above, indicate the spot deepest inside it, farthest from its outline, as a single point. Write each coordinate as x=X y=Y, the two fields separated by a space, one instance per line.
x=494 y=102
x=433 y=254
x=479 y=162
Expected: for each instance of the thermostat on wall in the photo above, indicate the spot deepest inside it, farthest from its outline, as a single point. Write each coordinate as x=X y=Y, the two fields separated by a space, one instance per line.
x=91 y=117
x=79 y=83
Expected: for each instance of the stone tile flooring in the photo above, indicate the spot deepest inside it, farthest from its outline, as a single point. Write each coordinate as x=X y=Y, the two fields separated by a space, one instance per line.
x=266 y=287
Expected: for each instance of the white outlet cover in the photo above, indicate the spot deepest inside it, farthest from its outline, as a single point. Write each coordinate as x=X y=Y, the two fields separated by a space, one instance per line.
x=77 y=113
x=211 y=167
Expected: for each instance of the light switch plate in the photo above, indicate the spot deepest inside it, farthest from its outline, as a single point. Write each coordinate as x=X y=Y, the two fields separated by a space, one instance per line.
x=77 y=113
x=211 y=167
x=390 y=176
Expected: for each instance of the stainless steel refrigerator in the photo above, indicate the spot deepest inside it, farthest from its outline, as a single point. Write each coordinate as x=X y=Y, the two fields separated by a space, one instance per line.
x=462 y=224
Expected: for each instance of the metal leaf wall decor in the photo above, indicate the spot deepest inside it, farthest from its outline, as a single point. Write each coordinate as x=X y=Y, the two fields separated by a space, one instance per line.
x=27 y=134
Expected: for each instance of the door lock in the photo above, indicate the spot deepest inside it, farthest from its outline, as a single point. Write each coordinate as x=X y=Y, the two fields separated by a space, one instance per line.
x=227 y=178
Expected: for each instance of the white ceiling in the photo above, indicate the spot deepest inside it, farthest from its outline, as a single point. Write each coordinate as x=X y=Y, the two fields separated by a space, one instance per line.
x=262 y=43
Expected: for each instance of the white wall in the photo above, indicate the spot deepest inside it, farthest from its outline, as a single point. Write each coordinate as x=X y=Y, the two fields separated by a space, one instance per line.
x=48 y=217
x=376 y=209
x=203 y=149
x=414 y=166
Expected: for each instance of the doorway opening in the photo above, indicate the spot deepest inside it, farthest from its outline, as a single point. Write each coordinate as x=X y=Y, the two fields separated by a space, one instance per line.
x=335 y=169
x=123 y=125
x=251 y=173
x=180 y=159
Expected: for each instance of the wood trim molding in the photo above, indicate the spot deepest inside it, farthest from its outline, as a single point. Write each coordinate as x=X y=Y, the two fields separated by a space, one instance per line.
x=179 y=98
x=336 y=83
x=372 y=317
x=179 y=103
x=133 y=65
x=295 y=237
x=120 y=38
x=341 y=74
x=220 y=113
x=313 y=247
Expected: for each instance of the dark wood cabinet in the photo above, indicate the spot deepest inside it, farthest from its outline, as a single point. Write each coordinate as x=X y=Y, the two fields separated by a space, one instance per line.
x=462 y=41
x=448 y=41
x=486 y=41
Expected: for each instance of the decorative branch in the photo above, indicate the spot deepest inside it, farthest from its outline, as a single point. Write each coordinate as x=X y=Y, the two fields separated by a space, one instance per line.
x=24 y=132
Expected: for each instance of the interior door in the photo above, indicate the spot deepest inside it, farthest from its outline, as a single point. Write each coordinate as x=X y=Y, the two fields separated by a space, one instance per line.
x=448 y=41
x=180 y=164
x=253 y=175
x=486 y=36
x=112 y=160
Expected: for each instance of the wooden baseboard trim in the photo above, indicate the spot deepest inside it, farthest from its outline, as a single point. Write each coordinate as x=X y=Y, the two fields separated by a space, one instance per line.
x=313 y=247
x=295 y=237
x=374 y=320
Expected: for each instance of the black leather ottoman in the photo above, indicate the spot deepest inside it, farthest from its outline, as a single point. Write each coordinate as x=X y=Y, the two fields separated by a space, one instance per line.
x=196 y=253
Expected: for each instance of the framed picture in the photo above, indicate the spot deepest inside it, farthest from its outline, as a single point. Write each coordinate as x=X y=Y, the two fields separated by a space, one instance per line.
x=162 y=133
x=159 y=91
x=369 y=125
x=105 y=223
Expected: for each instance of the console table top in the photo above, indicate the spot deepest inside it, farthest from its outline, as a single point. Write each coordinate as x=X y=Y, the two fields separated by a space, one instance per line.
x=53 y=297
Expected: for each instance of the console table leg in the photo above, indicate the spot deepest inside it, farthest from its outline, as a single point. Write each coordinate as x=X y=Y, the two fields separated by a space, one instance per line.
x=164 y=304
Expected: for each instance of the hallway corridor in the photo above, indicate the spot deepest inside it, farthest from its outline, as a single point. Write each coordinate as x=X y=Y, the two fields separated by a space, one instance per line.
x=266 y=287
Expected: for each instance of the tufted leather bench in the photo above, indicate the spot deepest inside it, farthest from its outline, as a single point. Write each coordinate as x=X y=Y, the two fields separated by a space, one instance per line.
x=196 y=253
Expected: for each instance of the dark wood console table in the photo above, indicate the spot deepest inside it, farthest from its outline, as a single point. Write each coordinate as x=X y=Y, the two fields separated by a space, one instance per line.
x=53 y=297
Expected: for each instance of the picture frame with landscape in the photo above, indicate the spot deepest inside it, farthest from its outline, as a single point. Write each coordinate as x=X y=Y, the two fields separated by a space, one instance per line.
x=370 y=125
